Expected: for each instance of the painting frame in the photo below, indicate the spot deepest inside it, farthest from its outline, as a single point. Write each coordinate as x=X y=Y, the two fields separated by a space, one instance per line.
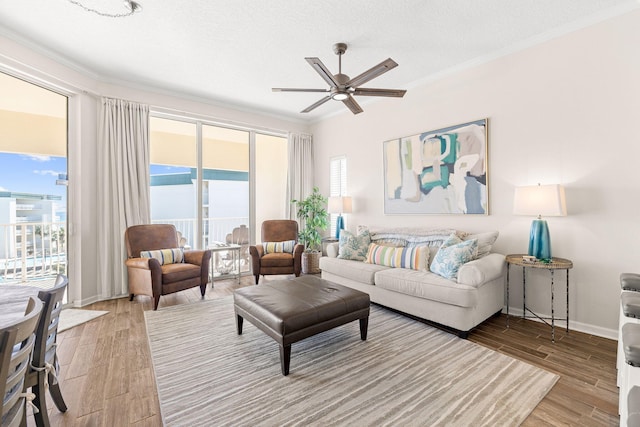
x=439 y=172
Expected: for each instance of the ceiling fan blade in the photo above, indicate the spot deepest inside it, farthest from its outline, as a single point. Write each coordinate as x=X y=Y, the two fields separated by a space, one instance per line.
x=353 y=105
x=372 y=73
x=317 y=104
x=323 y=71
x=397 y=93
x=286 y=89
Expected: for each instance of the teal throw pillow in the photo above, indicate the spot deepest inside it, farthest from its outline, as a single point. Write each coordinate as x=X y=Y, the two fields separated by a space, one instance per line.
x=453 y=253
x=353 y=247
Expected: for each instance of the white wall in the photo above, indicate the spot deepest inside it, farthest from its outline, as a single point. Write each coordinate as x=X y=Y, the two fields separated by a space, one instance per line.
x=84 y=88
x=564 y=111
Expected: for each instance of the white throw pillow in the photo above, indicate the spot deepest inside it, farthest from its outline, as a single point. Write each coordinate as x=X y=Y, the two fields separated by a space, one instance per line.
x=485 y=242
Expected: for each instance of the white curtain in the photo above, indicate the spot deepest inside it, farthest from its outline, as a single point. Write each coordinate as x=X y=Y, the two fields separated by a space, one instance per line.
x=300 y=171
x=123 y=186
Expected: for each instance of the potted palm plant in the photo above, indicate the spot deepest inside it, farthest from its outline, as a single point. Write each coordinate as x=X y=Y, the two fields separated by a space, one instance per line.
x=314 y=218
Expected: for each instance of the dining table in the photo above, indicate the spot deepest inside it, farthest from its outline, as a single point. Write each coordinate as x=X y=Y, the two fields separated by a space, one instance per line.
x=13 y=302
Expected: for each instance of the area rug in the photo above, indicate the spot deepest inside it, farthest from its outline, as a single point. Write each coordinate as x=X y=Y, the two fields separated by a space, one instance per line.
x=405 y=374
x=70 y=317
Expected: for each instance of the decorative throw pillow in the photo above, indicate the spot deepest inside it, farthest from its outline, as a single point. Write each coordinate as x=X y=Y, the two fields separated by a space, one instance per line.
x=415 y=257
x=165 y=256
x=279 y=247
x=485 y=242
x=353 y=247
x=451 y=255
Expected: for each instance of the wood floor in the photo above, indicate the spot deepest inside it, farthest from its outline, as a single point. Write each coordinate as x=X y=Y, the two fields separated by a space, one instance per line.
x=107 y=378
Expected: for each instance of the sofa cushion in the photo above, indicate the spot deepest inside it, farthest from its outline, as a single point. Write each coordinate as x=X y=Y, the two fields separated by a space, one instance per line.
x=427 y=285
x=452 y=254
x=349 y=269
x=416 y=258
x=353 y=247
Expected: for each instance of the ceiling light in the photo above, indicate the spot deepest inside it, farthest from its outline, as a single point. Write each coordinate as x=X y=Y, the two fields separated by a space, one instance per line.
x=131 y=6
x=340 y=96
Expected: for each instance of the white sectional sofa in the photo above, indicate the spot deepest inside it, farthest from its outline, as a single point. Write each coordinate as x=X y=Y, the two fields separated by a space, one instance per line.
x=460 y=304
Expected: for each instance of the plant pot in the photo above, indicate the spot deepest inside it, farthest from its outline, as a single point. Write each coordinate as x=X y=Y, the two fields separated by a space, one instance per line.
x=311 y=262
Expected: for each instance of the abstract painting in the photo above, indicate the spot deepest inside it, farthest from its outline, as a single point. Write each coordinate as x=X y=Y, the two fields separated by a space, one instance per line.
x=443 y=171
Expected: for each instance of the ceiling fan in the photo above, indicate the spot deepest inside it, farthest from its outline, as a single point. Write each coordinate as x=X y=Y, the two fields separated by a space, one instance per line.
x=342 y=88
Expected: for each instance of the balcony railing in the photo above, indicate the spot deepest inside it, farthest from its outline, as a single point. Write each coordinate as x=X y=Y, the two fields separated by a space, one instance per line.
x=32 y=250
x=38 y=250
x=213 y=230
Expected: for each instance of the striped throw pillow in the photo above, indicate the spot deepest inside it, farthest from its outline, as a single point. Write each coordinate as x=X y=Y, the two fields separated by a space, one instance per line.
x=279 y=247
x=414 y=257
x=165 y=256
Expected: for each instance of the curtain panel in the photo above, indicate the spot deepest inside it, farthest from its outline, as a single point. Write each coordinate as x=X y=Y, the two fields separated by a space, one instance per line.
x=300 y=171
x=123 y=187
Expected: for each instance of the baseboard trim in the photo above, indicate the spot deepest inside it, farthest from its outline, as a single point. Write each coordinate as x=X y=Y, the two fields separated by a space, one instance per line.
x=586 y=328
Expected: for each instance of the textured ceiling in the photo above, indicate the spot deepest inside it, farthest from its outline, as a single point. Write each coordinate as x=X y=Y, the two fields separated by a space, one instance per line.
x=231 y=52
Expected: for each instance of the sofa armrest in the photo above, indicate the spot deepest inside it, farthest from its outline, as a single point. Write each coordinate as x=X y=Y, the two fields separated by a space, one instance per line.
x=482 y=270
x=332 y=250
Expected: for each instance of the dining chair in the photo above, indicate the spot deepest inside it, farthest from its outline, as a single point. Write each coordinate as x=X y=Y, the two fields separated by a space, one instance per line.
x=16 y=342
x=43 y=372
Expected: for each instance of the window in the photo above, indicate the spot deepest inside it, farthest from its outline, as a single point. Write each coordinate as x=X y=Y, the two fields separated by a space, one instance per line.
x=216 y=184
x=337 y=183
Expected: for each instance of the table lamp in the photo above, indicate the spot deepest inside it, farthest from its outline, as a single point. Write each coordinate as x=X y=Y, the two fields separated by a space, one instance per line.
x=339 y=205
x=540 y=200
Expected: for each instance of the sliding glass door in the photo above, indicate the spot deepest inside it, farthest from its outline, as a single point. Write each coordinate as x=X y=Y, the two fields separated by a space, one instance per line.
x=33 y=183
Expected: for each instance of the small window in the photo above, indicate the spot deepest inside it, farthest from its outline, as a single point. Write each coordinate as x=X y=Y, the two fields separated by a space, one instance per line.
x=337 y=184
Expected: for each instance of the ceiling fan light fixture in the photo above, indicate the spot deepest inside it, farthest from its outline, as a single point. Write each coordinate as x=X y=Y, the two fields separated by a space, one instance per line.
x=341 y=87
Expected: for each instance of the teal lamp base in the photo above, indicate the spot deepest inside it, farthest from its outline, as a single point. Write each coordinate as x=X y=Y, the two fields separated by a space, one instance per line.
x=339 y=226
x=539 y=240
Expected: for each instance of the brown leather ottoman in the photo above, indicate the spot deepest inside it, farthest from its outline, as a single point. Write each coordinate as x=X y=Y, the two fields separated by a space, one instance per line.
x=292 y=310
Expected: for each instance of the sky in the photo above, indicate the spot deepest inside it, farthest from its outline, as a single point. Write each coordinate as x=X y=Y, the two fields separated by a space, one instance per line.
x=26 y=173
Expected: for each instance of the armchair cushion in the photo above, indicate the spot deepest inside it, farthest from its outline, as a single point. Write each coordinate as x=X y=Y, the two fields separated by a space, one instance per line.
x=280 y=259
x=279 y=247
x=178 y=272
x=165 y=256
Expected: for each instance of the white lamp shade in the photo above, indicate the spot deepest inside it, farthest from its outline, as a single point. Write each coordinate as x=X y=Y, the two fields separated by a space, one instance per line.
x=540 y=200
x=339 y=205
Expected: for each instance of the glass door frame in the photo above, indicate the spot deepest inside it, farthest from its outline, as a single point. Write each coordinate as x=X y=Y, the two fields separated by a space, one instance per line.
x=200 y=120
x=73 y=255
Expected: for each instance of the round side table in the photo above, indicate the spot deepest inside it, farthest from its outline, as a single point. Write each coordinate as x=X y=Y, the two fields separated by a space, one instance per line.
x=553 y=265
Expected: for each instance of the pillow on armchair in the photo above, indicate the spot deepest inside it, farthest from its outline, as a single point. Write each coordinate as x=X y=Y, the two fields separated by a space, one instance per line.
x=279 y=247
x=165 y=256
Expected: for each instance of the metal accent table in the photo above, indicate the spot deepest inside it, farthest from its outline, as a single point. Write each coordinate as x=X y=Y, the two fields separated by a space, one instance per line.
x=555 y=264
x=226 y=270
